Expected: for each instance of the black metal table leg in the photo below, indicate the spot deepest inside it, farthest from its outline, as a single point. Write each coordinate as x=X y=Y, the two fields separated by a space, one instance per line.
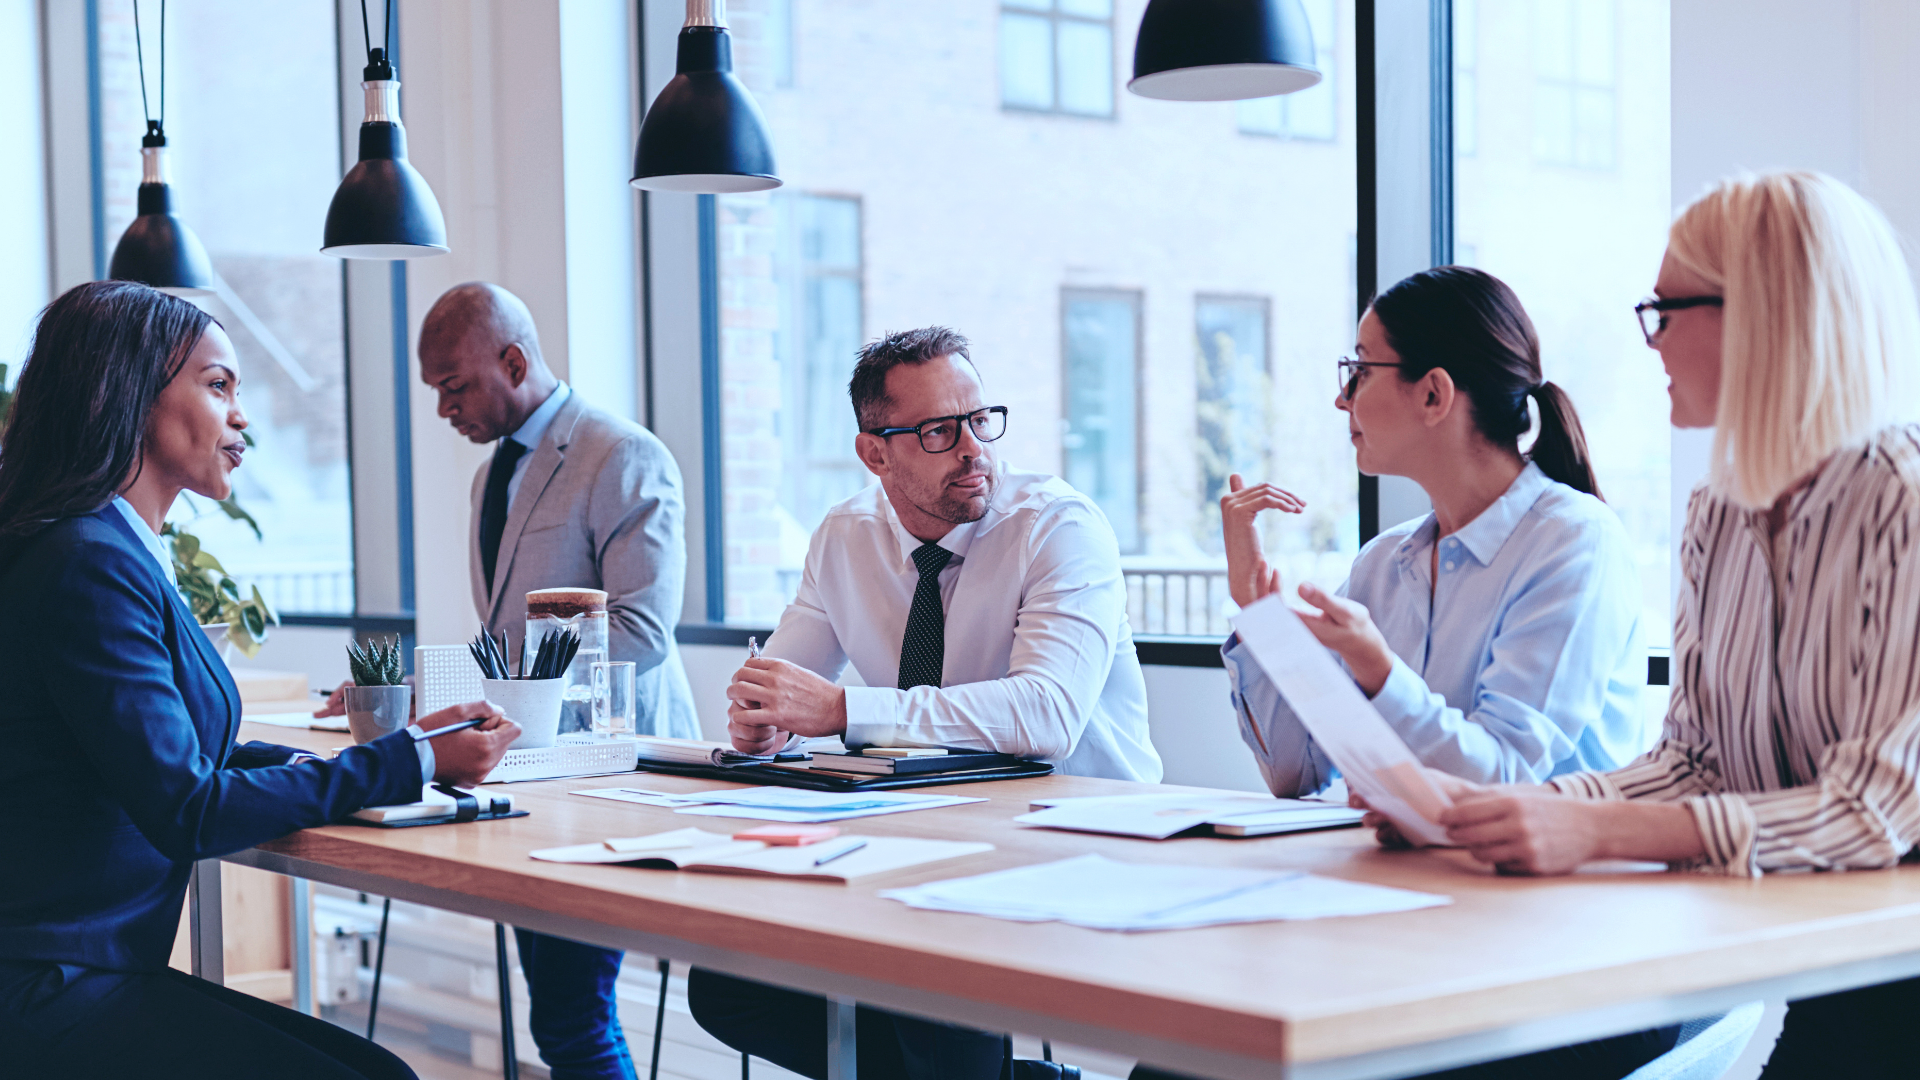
x=509 y=1060
x=379 y=965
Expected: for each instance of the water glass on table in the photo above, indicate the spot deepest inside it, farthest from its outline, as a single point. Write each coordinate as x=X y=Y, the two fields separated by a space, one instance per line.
x=613 y=707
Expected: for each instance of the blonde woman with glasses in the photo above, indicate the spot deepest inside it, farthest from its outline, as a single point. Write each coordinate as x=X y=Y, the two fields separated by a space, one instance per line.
x=1785 y=316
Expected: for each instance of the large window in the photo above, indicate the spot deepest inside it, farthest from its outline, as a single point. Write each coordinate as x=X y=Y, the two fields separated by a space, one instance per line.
x=1056 y=55
x=1100 y=436
x=1579 y=274
x=255 y=157
x=1132 y=330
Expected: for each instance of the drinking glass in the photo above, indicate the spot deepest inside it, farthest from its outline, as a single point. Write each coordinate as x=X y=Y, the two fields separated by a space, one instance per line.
x=613 y=697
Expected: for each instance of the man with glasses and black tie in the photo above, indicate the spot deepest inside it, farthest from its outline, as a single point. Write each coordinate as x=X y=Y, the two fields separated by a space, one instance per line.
x=982 y=607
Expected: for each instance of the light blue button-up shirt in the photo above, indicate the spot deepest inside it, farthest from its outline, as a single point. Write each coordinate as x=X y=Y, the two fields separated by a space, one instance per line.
x=1523 y=663
x=532 y=431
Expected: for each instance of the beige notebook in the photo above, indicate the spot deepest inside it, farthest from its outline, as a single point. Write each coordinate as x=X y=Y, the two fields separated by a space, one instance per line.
x=717 y=853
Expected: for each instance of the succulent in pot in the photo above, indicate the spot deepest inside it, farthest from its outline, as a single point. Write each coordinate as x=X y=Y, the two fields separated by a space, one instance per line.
x=379 y=702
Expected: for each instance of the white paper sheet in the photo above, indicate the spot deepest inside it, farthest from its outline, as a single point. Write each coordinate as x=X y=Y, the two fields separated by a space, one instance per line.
x=1376 y=763
x=644 y=796
x=792 y=805
x=297 y=720
x=1103 y=894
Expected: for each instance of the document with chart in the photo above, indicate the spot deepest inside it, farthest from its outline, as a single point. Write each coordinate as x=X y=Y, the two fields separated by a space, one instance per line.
x=1376 y=763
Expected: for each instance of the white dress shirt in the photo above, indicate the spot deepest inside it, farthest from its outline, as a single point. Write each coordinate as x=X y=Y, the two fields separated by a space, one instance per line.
x=1522 y=661
x=532 y=431
x=1039 y=659
x=151 y=541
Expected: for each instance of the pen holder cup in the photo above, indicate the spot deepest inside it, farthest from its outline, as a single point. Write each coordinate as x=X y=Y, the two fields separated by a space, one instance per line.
x=373 y=711
x=534 y=704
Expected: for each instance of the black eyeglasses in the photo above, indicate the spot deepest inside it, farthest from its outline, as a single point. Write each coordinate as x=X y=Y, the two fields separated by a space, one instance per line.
x=1652 y=312
x=938 y=435
x=1351 y=370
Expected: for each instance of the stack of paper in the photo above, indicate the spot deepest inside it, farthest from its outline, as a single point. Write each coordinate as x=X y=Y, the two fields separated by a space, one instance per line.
x=778 y=804
x=1157 y=817
x=695 y=752
x=697 y=849
x=1100 y=893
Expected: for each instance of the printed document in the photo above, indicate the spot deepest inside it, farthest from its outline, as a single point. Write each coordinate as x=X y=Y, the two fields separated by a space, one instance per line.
x=1104 y=894
x=1376 y=763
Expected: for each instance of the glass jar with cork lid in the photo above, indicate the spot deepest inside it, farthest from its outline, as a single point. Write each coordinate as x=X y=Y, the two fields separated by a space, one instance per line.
x=584 y=611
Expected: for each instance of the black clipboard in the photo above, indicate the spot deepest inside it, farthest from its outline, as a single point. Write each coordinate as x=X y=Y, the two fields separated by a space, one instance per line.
x=819 y=780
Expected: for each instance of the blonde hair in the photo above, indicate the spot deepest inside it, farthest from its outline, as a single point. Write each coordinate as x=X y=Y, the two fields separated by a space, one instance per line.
x=1822 y=329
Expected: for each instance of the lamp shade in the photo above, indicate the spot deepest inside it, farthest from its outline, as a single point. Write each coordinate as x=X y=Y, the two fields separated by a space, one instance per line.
x=158 y=249
x=384 y=208
x=1222 y=50
x=704 y=133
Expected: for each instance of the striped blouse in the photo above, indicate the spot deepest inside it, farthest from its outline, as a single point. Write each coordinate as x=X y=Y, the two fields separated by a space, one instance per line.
x=1793 y=734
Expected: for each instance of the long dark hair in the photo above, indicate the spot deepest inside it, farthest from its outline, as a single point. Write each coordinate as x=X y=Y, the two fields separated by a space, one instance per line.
x=1469 y=324
x=101 y=354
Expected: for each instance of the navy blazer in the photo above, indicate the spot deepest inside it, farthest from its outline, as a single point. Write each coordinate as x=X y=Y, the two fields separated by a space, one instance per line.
x=118 y=767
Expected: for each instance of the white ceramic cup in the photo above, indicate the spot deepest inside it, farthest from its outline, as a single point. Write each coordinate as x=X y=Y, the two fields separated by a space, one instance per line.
x=534 y=704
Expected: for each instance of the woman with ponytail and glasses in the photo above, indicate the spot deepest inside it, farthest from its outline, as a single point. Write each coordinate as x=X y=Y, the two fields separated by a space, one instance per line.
x=1499 y=634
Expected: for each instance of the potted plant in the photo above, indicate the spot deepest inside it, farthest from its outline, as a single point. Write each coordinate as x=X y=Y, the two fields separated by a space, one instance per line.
x=214 y=597
x=379 y=699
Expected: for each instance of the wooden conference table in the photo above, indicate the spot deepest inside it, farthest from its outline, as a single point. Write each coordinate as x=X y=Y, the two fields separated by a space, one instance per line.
x=1512 y=965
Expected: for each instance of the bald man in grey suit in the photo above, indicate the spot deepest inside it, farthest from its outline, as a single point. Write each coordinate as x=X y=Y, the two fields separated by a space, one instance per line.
x=574 y=497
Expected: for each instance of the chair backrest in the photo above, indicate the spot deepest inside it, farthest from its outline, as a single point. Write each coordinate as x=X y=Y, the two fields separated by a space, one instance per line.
x=1707 y=1048
x=445 y=675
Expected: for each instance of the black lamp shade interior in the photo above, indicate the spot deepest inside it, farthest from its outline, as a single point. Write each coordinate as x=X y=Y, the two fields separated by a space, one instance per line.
x=384 y=209
x=704 y=133
x=159 y=250
x=1223 y=50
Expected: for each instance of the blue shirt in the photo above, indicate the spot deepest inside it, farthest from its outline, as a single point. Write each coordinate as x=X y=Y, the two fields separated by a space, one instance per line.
x=531 y=432
x=1523 y=663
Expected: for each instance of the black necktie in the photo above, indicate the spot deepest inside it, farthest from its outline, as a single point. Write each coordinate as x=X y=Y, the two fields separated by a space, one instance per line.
x=493 y=508
x=924 y=648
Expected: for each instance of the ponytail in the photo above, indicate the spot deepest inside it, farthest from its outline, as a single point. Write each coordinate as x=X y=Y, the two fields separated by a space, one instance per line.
x=1561 y=447
x=1470 y=324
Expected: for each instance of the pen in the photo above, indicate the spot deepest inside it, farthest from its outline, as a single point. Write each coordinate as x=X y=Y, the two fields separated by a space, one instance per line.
x=848 y=850
x=451 y=728
x=753 y=648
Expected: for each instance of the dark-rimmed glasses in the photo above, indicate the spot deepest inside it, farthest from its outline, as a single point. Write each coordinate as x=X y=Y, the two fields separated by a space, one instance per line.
x=938 y=435
x=1351 y=370
x=1652 y=313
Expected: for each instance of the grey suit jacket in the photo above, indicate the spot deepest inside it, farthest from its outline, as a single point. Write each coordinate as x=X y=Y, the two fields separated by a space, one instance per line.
x=599 y=507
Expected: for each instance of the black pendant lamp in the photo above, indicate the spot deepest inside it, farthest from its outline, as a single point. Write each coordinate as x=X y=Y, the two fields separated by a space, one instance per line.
x=704 y=133
x=384 y=208
x=1222 y=50
x=158 y=249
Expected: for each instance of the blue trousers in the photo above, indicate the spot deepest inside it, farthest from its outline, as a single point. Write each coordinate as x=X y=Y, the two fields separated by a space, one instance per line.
x=575 y=1023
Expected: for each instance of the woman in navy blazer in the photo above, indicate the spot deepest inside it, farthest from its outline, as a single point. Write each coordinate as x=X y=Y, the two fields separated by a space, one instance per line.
x=117 y=721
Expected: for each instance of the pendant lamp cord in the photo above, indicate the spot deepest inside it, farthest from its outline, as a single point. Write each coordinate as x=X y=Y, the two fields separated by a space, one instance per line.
x=140 y=58
x=366 y=30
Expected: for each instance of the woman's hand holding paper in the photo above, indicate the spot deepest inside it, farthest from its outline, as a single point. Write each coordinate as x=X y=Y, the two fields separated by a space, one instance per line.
x=1345 y=627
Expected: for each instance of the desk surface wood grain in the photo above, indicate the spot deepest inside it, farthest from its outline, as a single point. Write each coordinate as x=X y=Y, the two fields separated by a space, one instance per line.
x=1506 y=951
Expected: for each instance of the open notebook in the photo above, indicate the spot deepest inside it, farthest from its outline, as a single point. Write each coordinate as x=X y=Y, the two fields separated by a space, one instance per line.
x=717 y=853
